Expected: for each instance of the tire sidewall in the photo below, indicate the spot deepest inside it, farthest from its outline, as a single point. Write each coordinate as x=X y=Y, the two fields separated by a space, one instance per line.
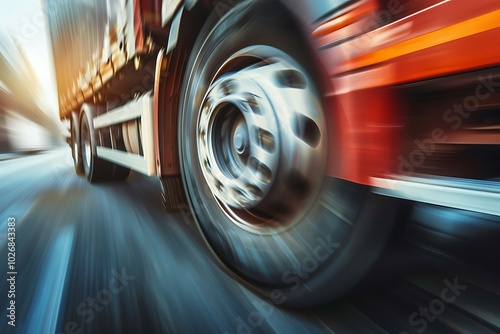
x=86 y=130
x=75 y=139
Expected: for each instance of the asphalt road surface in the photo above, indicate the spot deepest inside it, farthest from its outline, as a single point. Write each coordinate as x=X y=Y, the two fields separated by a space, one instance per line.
x=107 y=259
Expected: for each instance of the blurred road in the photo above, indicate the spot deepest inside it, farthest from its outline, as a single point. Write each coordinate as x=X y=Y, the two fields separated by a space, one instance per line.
x=107 y=259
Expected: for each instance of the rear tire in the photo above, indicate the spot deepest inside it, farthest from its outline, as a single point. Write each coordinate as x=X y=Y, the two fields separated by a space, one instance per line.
x=253 y=142
x=95 y=168
x=75 y=144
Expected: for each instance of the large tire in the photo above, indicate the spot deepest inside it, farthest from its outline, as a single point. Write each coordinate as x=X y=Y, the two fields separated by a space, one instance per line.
x=297 y=236
x=76 y=152
x=95 y=168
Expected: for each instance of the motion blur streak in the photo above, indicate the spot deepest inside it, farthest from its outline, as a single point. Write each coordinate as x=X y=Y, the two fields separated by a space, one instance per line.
x=464 y=29
x=76 y=235
x=75 y=240
x=25 y=124
x=47 y=301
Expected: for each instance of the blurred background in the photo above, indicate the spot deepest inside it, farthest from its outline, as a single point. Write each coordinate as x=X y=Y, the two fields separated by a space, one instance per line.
x=28 y=97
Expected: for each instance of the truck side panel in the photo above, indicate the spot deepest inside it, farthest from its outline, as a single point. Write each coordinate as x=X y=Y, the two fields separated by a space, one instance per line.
x=91 y=40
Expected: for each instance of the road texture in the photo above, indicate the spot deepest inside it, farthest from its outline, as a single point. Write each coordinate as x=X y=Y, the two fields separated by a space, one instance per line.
x=106 y=258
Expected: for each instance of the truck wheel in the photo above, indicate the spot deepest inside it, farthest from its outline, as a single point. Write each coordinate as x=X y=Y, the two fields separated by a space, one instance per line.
x=96 y=169
x=253 y=142
x=75 y=144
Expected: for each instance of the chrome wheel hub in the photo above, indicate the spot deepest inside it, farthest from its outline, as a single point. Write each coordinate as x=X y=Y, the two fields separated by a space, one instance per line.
x=261 y=135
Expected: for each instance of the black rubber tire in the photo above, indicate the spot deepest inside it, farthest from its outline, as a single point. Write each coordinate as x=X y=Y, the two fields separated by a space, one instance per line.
x=172 y=193
x=96 y=170
x=348 y=224
x=76 y=151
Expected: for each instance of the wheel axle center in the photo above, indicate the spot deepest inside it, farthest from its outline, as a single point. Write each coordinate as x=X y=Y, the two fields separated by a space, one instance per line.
x=240 y=140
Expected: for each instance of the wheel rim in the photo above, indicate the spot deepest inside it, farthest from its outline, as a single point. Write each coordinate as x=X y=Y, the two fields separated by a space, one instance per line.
x=75 y=147
x=261 y=139
x=86 y=145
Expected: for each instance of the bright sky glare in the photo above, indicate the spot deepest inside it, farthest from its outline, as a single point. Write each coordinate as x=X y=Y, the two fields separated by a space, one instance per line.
x=25 y=21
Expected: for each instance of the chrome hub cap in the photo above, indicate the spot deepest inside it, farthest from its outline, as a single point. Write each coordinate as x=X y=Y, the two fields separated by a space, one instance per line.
x=261 y=137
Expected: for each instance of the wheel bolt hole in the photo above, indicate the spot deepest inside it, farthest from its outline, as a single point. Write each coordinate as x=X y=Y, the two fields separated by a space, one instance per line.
x=208 y=105
x=307 y=130
x=228 y=87
x=242 y=196
x=291 y=79
x=254 y=105
x=265 y=139
x=255 y=192
x=261 y=171
x=206 y=162
x=239 y=195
